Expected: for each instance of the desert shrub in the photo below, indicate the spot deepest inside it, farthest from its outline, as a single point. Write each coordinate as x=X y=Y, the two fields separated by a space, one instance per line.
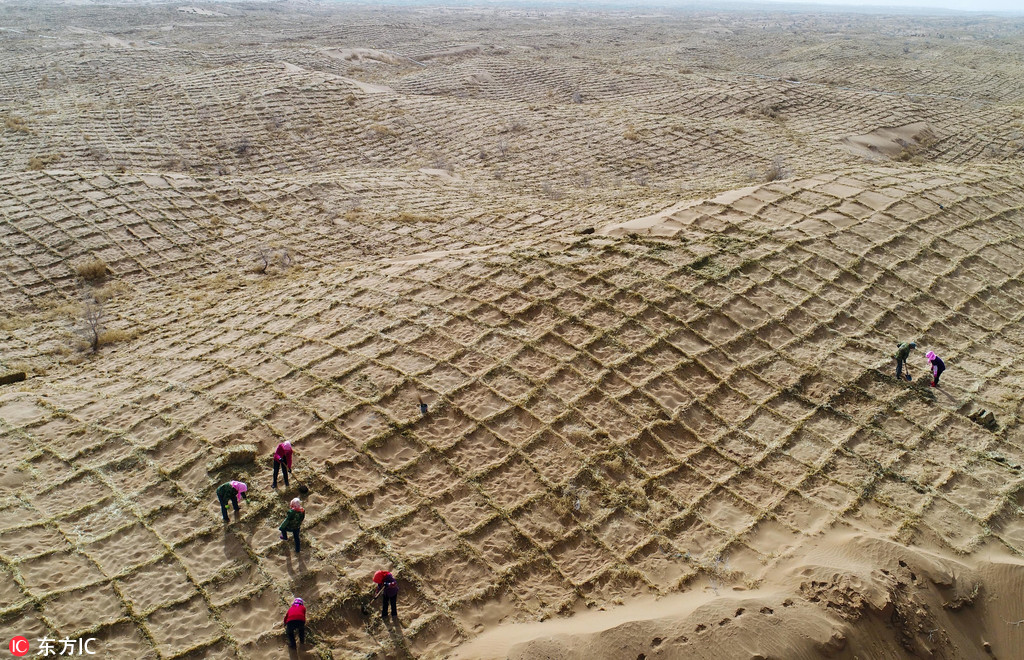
x=380 y=130
x=243 y=147
x=769 y=110
x=577 y=97
x=92 y=270
x=91 y=324
x=550 y=191
x=267 y=256
x=631 y=134
x=775 y=171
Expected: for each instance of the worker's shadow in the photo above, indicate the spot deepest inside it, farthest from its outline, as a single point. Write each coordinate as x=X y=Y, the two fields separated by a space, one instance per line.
x=300 y=562
x=947 y=395
x=231 y=548
x=395 y=629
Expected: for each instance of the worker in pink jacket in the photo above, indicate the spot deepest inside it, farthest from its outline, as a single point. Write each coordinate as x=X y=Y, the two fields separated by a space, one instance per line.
x=295 y=622
x=282 y=461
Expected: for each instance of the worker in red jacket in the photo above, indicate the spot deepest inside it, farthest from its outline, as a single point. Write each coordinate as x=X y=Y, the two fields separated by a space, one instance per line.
x=295 y=622
x=282 y=461
x=388 y=588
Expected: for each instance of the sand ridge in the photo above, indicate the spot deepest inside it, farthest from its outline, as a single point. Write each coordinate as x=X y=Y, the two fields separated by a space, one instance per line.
x=860 y=594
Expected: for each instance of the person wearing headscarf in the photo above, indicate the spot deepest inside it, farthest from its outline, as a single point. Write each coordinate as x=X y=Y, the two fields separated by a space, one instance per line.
x=295 y=622
x=937 y=367
x=292 y=522
x=230 y=492
x=282 y=461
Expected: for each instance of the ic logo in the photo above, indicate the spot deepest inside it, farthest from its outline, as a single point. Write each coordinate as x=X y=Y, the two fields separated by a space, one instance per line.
x=19 y=646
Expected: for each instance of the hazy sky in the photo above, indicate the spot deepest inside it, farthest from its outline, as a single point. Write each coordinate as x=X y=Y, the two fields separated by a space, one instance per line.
x=1015 y=6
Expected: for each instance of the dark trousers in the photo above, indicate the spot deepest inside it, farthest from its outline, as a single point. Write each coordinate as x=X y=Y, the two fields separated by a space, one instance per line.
x=224 y=505
x=935 y=379
x=899 y=369
x=298 y=544
x=293 y=627
x=283 y=467
x=393 y=600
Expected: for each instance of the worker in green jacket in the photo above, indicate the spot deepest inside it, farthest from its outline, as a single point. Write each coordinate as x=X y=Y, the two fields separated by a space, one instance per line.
x=292 y=522
x=230 y=492
x=902 y=353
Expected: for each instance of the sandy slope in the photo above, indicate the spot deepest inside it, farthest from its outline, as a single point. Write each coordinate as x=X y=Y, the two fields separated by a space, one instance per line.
x=845 y=594
x=686 y=413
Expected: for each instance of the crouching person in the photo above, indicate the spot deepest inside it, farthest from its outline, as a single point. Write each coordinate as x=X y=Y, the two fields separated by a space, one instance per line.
x=230 y=492
x=295 y=622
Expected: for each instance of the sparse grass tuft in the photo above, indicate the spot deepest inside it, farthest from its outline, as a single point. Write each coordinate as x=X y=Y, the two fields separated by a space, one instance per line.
x=914 y=150
x=36 y=163
x=550 y=191
x=408 y=216
x=108 y=337
x=110 y=290
x=17 y=124
x=769 y=110
x=92 y=270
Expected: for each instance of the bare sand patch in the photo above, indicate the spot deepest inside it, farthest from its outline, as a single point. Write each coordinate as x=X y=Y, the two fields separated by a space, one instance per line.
x=891 y=141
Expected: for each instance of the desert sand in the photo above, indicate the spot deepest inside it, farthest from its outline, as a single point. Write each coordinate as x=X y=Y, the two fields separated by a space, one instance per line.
x=646 y=268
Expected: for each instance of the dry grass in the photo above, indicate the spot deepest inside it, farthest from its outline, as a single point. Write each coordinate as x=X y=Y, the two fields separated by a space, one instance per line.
x=17 y=124
x=108 y=337
x=37 y=163
x=380 y=130
x=409 y=216
x=109 y=291
x=92 y=270
x=769 y=110
x=915 y=150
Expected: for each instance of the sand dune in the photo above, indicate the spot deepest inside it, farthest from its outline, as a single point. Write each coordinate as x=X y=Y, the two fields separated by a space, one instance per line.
x=645 y=288
x=841 y=595
x=892 y=142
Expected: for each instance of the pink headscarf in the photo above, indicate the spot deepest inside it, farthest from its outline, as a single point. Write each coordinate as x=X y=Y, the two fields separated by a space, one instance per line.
x=239 y=487
x=930 y=356
x=296 y=504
